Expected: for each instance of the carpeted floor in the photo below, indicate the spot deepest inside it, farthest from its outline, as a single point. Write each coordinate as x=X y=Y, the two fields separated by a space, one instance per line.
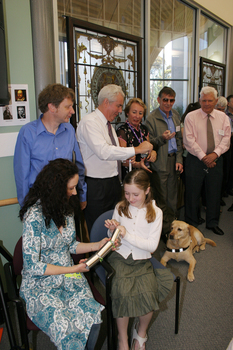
x=206 y=305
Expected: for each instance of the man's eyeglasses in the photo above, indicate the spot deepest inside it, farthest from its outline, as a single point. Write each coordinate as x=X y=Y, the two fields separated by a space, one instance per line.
x=172 y=100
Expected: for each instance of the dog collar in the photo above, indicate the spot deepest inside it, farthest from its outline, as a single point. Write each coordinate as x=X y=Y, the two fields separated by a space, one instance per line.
x=179 y=250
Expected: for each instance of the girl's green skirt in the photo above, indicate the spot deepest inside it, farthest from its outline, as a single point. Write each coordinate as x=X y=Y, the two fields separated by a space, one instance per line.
x=137 y=288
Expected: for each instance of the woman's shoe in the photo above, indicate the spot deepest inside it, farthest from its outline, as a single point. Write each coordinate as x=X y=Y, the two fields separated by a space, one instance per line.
x=137 y=337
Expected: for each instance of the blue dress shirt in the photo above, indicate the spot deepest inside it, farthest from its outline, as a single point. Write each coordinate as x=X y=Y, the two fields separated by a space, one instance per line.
x=172 y=146
x=35 y=147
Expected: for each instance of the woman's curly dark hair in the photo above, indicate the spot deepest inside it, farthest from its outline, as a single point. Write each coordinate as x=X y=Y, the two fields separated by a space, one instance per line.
x=50 y=188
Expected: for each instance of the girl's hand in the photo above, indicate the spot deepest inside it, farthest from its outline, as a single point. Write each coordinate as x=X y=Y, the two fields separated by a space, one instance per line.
x=123 y=230
x=111 y=224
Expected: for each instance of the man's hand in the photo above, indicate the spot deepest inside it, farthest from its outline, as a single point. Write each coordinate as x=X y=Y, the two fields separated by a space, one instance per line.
x=144 y=147
x=209 y=160
x=83 y=205
x=179 y=167
x=167 y=135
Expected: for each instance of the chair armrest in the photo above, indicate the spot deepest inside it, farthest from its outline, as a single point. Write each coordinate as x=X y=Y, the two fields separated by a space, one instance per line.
x=106 y=278
x=104 y=271
x=12 y=290
x=13 y=295
x=109 y=269
x=5 y=252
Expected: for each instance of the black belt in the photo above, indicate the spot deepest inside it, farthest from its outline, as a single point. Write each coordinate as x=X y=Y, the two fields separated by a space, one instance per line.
x=171 y=154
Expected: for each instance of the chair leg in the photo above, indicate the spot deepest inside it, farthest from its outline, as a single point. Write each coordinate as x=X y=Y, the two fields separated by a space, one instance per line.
x=34 y=340
x=177 y=280
x=22 y=325
x=112 y=343
x=110 y=320
x=7 y=317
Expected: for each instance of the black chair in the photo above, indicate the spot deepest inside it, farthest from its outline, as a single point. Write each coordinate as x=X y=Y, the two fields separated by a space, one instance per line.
x=12 y=272
x=4 y=311
x=105 y=273
x=98 y=232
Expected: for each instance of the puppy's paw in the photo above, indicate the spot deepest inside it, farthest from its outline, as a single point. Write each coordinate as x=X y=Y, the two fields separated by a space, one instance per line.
x=163 y=262
x=190 y=277
x=196 y=249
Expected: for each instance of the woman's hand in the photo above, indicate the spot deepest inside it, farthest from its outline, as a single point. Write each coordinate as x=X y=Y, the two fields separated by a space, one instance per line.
x=152 y=156
x=111 y=224
x=80 y=267
x=102 y=242
x=126 y=162
x=105 y=240
x=143 y=165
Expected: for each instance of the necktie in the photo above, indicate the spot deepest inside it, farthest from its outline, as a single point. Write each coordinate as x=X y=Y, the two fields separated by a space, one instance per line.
x=114 y=143
x=210 y=136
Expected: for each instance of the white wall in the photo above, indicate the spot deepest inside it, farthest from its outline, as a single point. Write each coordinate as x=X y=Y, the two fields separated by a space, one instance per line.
x=223 y=9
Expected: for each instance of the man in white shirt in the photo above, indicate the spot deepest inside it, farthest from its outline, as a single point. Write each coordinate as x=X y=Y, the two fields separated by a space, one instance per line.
x=100 y=153
x=204 y=164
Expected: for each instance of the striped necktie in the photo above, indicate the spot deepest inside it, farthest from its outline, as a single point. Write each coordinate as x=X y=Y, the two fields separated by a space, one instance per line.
x=114 y=143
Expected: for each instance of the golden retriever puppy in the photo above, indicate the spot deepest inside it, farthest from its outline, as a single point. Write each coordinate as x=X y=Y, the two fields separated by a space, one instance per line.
x=183 y=241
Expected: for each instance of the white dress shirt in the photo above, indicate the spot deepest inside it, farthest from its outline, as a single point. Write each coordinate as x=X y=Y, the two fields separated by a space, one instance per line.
x=195 y=132
x=99 y=155
x=142 y=238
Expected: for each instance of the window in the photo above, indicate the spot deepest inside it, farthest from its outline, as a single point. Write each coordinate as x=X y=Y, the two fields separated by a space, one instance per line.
x=171 y=51
x=212 y=40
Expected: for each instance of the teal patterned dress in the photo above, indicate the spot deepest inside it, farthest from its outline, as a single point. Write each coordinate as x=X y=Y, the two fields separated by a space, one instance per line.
x=62 y=306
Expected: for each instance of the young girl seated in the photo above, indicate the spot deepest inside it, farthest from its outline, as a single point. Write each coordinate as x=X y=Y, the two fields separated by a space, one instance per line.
x=136 y=287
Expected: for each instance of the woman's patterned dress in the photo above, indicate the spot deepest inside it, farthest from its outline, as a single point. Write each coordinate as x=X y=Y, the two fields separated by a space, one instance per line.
x=62 y=306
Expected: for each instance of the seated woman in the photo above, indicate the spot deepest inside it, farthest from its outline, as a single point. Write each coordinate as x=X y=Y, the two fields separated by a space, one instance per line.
x=133 y=132
x=57 y=295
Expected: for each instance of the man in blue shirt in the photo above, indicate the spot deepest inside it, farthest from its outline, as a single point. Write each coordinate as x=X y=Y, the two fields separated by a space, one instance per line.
x=163 y=124
x=47 y=138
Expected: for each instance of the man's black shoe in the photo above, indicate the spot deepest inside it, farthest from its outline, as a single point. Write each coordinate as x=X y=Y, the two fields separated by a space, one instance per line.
x=200 y=221
x=222 y=203
x=216 y=230
x=231 y=208
x=230 y=192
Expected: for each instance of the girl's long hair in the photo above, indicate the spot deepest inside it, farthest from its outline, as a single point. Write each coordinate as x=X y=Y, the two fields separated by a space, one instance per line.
x=139 y=178
x=50 y=188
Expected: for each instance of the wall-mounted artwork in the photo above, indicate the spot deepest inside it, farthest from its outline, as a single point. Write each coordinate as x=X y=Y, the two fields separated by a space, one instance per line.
x=212 y=74
x=17 y=112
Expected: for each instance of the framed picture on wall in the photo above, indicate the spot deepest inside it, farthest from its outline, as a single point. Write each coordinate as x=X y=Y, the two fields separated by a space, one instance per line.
x=212 y=74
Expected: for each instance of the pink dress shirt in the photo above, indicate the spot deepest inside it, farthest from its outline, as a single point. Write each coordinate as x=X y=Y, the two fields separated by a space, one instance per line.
x=195 y=132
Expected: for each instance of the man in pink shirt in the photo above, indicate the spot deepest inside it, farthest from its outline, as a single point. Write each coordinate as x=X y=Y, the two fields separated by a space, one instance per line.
x=203 y=166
